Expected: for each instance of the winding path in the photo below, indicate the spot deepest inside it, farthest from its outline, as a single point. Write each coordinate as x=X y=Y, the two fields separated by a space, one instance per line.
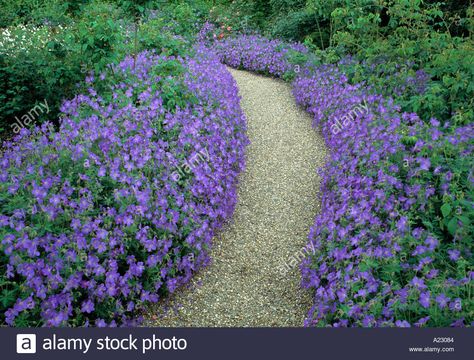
x=277 y=202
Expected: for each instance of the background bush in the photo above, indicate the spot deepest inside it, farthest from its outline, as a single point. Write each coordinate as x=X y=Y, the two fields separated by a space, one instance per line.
x=48 y=63
x=48 y=47
x=396 y=36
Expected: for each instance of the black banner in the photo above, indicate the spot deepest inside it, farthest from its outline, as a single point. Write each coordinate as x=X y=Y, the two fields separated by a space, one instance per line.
x=236 y=343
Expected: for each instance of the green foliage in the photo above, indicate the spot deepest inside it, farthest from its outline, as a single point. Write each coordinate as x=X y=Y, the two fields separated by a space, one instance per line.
x=48 y=59
x=34 y=67
x=153 y=35
x=183 y=18
x=14 y=12
x=257 y=12
x=46 y=63
x=96 y=33
x=39 y=12
x=241 y=16
x=134 y=8
x=295 y=26
x=418 y=41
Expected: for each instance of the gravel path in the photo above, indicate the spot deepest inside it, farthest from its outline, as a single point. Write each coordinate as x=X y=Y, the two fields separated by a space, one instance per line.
x=277 y=202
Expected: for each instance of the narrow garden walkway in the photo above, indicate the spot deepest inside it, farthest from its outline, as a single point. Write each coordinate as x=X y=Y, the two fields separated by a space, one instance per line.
x=277 y=202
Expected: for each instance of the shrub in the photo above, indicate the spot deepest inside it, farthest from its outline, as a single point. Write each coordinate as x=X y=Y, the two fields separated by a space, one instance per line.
x=294 y=26
x=180 y=18
x=23 y=11
x=48 y=63
x=35 y=67
x=118 y=207
x=95 y=35
x=433 y=37
x=154 y=35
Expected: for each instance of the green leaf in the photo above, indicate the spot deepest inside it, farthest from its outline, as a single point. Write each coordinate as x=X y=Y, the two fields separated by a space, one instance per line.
x=446 y=209
x=452 y=226
x=8 y=297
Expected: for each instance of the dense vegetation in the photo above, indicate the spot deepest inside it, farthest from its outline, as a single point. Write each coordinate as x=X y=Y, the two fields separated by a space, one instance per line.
x=96 y=220
x=118 y=207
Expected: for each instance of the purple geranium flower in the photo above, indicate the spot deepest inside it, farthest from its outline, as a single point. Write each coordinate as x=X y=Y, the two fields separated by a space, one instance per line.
x=425 y=299
x=454 y=254
x=87 y=306
x=418 y=283
x=442 y=300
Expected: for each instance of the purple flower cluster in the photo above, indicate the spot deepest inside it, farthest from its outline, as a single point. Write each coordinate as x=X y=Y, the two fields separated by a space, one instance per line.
x=93 y=226
x=257 y=53
x=378 y=261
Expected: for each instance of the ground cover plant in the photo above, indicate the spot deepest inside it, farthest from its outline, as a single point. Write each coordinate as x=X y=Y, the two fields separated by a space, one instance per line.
x=380 y=259
x=255 y=53
x=94 y=222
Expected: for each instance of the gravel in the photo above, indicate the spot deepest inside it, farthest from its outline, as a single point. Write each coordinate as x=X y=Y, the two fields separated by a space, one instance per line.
x=277 y=202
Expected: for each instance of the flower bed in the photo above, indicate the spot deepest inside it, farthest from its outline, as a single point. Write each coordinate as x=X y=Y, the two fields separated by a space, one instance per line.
x=101 y=217
x=256 y=53
x=394 y=237
x=381 y=257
